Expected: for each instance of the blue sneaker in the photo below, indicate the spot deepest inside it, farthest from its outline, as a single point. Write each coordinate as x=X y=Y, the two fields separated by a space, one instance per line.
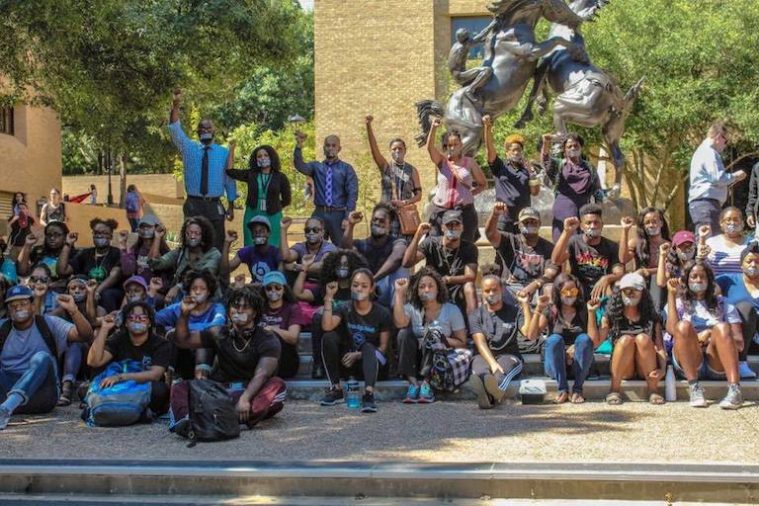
x=412 y=394
x=425 y=394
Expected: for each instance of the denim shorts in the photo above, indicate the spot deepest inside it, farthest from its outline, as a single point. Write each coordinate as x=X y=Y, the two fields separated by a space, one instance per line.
x=705 y=372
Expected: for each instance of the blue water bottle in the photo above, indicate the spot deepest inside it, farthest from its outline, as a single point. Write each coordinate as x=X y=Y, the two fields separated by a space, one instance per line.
x=352 y=394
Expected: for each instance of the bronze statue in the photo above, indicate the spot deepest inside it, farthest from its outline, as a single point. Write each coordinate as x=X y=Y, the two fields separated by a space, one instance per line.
x=585 y=94
x=472 y=79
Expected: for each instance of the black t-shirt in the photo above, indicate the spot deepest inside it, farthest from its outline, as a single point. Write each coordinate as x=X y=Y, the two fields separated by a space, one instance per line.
x=375 y=255
x=511 y=186
x=448 y=262
x=156 y=351
x=237 y=356
x=97 y=268
x=524 y=262
x=40 y=254
x=365 y=328
x=590 y=263
x=569 y=330
x=501 y=329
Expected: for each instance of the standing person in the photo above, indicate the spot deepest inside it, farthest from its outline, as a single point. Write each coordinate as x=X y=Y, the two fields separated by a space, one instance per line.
x=459 y=179
x=21 y=226
x=752 y=205
x=576 y=180
x=93 y=195
x=512 y=179
x=54 y=209
x=204 y=178
x=18 y=198
x=268 y=190
x=335 y=183
x=709 y=180
x=133 y=203
x=401 y=185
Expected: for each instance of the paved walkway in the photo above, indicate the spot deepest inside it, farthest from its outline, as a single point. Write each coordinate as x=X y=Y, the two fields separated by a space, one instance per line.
x=441 y=432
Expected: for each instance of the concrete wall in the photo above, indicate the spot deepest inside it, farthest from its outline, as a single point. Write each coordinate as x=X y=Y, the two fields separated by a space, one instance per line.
x=161 y=185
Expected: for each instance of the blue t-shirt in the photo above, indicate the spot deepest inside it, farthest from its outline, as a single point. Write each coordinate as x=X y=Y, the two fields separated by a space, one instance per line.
x=734 y=289
x=214 y=316
x=21 y=345
x=260 y=262
x=8 y=269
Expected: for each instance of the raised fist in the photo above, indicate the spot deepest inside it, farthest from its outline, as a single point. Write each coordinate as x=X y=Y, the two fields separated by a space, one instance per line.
x=355 y=217
x=627 y=223
x=704 y=231
x=572 y=223
x=543 y=302
x=594 y=304
x=285 y=223
x=487 y=121
x=499 y=208
x=71 y=238
x=664 y=249
x=108 y=322
x=401 y=284
x=369 y=118
x=30 y=240
x=436 y=122
x=424 y=228
x=160 y=232
x=230 y=237
x=331 y=289
x=673 y=285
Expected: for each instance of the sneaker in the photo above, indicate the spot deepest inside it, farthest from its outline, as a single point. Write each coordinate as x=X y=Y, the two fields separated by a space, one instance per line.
x=367 y=403
x=733 y=399
x=5 y=417
x=697 y=399
x=425 y=394
x=745 y=371
x=484 y=401
x=412 y=394
x=332 y=397
x=492 y=385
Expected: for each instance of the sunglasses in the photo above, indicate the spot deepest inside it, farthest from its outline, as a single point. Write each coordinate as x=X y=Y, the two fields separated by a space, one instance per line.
x=313 y=230
x=569 y=292
x=39 y=279
x=274 y=288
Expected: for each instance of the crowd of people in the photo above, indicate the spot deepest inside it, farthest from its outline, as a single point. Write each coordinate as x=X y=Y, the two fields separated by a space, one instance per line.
x=654 y=298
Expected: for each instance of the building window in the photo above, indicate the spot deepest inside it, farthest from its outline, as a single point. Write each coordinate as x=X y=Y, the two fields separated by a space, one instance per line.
x=475 y=24
x=6 y=120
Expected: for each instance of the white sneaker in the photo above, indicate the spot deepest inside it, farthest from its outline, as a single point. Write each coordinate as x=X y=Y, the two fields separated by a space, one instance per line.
x=745 y=371
x=733 y=399
x=697 y=398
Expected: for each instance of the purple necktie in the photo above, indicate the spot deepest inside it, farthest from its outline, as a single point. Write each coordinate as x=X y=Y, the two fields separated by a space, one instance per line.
x=328 y=187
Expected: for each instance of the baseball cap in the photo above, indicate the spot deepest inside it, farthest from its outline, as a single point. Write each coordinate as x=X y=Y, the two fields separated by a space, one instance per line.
x=18 y=292
x=632 y=280
x=274 y=278
x=136 y=279
x=149 y=219
x=263 y=220
x=451 y=216
x=529 y=213
x=682 y=237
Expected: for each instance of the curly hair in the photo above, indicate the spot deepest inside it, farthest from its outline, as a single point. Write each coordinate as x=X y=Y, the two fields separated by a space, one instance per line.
x=206 y=231
x=145 y=307
x=413 y=292
x=205 y=275
x=642 y=254
x=110 y=223
x=447 y=135
x=713 y=302
x=615 y=311
x=491 y=271
x=332 y=260
x=514 y=139
x=562 y=278
x=273 y=156
x=249 y=296
x=385 y=206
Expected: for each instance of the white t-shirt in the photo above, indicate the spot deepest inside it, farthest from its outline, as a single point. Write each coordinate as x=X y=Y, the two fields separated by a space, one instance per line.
x=701 y=318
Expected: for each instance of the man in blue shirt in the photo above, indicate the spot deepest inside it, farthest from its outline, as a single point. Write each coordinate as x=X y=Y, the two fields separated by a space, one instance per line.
x=204 y=178
x=335 y=182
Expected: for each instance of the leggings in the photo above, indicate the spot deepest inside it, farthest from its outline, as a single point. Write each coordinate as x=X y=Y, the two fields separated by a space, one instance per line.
x=335 y=344
x=747 y=312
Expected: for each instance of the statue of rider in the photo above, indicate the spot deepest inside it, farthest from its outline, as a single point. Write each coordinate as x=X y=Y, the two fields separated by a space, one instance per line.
x=475 y=78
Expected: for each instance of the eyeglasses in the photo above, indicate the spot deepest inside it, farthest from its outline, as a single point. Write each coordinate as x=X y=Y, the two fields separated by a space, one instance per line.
x=39 y=279
x=138 y=318
x=313 y=230
x=274 y=288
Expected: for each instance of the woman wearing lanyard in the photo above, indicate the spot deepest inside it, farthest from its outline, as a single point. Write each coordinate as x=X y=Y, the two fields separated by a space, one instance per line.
x=268 y=189
x=459 y=180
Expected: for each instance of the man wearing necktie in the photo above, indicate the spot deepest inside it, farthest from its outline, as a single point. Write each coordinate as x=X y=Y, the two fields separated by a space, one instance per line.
x=335 y=183
x=204 y=178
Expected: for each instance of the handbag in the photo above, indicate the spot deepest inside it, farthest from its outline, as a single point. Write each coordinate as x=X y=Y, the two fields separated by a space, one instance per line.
x=408 y=215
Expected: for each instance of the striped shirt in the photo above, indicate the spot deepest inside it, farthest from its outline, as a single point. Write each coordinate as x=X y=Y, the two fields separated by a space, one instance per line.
x=192 y=159
x=724 y=258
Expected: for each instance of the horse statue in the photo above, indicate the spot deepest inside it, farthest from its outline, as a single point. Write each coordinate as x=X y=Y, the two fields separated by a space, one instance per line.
x=510 y=62
x=585 y=95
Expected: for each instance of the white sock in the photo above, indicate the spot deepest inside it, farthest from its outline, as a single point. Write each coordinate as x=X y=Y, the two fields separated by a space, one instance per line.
x=13 y=401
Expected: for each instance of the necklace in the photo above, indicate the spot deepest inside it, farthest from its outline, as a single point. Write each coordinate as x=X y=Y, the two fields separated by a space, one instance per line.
x=245 y=346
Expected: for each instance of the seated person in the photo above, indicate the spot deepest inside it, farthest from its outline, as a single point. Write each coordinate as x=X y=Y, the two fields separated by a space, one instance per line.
x=30 y=347
x=673 y=257
x=45 y=299
x=196 y=252
x=383 y=252
x=569 y=348
x=427 y=324
x=315 y=244
x=495 y=328
x=137 y=289
x=259 y=258
x=522 y=256
x=450 y=256
x=247 y=356
x=281 y=318
x=359 y=344
x=8 y=261
x=591 y=256
x=101 y=263
x=135 y=339
x=632 y=323
x=707 y=335
x=134 y=259
x=48 y=253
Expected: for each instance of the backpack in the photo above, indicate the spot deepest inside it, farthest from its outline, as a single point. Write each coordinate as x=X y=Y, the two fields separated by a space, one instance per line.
x=44 y=329
x=202 y=410
x=132 y=202
x=122 y=404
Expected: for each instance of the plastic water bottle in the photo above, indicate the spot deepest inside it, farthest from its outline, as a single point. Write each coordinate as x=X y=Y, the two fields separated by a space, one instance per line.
x=352 y=394
x=670 y=388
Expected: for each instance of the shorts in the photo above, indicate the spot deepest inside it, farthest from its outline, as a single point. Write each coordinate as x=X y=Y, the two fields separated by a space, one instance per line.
x=705 y=372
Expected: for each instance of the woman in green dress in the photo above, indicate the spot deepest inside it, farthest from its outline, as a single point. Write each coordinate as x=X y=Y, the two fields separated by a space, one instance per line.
x=268 y=189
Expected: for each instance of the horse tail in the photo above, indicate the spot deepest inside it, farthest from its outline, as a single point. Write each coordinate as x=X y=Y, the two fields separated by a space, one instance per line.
x=632 y=94
x=424 y=110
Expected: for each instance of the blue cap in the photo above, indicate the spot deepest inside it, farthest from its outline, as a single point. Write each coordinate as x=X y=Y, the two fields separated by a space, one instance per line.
x=18 y=292
x=263 y=220
x=274 y=277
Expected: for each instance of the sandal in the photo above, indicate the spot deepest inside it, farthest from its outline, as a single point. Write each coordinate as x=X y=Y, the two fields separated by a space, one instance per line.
x=561 y=398
x=655 y=399
x=613 y=399
x=577 y=398
x=66 y=390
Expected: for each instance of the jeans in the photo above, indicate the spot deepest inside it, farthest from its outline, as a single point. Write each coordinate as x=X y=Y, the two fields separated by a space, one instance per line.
x=72 y=361
x=555 y=361
x=38 y=385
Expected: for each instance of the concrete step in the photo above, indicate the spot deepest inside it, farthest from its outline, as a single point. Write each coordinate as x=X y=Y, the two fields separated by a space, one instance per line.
x=368 y=483
x=595 y=389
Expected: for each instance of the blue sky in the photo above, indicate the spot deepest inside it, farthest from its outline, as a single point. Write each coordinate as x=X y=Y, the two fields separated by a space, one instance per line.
x=307 y=4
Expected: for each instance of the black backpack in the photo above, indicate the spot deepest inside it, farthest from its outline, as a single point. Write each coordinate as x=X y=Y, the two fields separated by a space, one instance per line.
x=212 y=414
x=41 y=324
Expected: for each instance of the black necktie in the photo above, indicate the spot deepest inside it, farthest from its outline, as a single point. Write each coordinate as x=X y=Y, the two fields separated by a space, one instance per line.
x=204 y=172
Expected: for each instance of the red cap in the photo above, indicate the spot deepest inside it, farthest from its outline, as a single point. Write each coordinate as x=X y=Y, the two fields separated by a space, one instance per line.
x=682 y=237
